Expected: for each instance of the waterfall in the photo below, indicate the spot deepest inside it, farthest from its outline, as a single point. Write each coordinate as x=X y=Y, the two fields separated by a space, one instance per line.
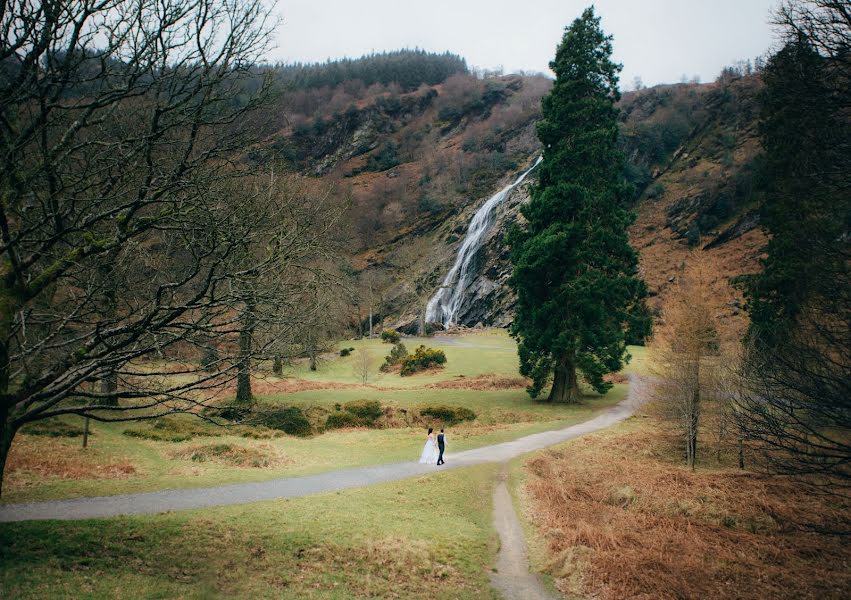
x=446 y=302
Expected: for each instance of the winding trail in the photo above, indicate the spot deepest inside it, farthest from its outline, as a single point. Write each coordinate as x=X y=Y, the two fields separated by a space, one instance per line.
x=293 y=487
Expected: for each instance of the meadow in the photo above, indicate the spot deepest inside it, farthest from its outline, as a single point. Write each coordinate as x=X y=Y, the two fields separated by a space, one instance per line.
x=480 y=374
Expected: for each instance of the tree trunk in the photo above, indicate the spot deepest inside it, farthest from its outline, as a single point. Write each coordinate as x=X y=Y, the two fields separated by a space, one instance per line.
x=565 y=383
x=7 y=431
x=243 y=375
x=277 y=366
x=693 y=417
x=7 y=434
x=108 y=387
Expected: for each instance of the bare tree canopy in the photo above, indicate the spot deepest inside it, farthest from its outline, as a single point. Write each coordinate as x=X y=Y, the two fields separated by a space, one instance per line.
x=123 y=232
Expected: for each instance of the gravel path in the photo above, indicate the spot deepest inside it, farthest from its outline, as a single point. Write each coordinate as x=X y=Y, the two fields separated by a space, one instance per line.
x=512 y=578
x=292 y=487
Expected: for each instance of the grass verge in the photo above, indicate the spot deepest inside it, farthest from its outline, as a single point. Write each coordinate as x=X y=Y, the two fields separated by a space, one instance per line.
x=420 y=538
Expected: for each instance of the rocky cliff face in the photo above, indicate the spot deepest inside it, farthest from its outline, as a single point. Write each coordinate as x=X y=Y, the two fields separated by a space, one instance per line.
x=488 y=300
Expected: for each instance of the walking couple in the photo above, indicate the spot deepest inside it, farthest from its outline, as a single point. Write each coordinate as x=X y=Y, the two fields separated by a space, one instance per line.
x=433 y=451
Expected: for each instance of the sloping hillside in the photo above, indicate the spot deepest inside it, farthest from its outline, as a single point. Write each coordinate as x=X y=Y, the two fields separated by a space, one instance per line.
x=415 y=164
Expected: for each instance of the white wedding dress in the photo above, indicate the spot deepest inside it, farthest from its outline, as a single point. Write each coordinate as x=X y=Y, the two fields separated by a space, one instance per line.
x=429 y=455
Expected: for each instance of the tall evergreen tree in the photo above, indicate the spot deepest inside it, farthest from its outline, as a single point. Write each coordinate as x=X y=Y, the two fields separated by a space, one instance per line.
x=798 y=402
x=575 y=273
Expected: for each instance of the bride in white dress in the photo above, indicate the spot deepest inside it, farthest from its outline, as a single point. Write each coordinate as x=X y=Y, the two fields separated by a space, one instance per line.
x=429 y=455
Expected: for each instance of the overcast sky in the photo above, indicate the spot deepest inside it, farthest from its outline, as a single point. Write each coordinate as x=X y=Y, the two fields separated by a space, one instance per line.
x=658 y=40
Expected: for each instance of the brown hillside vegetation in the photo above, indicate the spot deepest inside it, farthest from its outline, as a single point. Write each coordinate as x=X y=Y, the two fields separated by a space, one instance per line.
x=620 y=519
x=705 y=194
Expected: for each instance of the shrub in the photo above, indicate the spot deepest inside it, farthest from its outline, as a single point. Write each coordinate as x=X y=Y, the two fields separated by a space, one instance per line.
x=423 y=358
x=449 y=414
x=289 y=419
x=343 y=419
x=368 y=410
x=655 y=191
x=390 y=336
x=232 y=412
x=427 y=204
x=345 y=352
x=51 y=428
x=228 y=454
x=395 y=357
x=174 y=429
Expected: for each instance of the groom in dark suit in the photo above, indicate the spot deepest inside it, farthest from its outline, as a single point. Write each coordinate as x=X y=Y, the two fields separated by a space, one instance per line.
x=441 y=445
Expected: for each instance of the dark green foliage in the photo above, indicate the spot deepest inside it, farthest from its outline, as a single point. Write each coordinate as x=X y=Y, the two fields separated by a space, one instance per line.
x=449 y=415
x=345 y=352
x=408 y=68
x=575 y=273
x=386 y=158
x=427 y=204
x=289 y=419
x=390 y=336
x=422 y=358
x=342 y=419
x=52 y=428
x=358 y=413
x=368 y=410
x=798 y=363
x=656 y=190
x=395 y=357
x=174 y=429
x=806 y=135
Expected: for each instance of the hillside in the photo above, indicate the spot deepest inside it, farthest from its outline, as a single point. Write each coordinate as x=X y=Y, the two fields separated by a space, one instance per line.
x=415 y=163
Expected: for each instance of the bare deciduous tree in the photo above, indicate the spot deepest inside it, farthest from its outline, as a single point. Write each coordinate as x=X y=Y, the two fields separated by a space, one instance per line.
x=362 y=365
x=120 y=128
x=685 y=353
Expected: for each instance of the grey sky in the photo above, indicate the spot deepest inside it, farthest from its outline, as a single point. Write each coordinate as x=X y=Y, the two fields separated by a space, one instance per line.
x=659 y=40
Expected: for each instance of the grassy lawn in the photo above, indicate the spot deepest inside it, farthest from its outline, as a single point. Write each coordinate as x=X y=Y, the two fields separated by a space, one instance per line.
x=43 y=468
x=491 y=351
x=422 y=538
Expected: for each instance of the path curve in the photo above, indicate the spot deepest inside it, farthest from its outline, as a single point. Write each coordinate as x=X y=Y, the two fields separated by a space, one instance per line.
x=293 y=487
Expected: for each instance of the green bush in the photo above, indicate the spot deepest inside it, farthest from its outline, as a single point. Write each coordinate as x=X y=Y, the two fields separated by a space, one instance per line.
x=289 y=419
x=395 y=357
x=343 y=419
x=390 y=336
x=345 y=352
x=175 y=429
x=423 y=358
x=655 y=191
x=368 y=410
x=448 y=414
x=52 y=428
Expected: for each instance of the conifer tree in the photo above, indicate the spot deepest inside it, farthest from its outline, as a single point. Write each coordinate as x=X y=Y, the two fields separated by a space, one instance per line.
x=575 y=273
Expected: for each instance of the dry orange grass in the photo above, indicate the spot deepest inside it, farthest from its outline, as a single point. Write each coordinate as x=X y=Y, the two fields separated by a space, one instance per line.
x=482 y=383
x=621 y=519
x=31 y=460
